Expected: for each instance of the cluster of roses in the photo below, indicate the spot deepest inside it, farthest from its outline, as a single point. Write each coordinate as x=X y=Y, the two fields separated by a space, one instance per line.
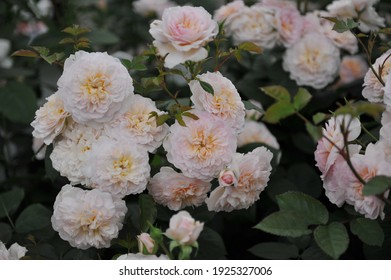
x=339 y=180
x=313 y=48
x=102 y=134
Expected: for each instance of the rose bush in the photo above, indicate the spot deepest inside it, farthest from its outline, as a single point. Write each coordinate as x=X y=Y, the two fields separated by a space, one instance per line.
x=195 y=130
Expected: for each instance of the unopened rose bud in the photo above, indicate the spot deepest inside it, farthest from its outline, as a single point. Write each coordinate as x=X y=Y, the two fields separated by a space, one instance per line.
x=227 y=178
x=145 y=242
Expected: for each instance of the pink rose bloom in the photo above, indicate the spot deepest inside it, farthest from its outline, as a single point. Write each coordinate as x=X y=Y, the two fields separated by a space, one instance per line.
x=387 y=89
x=252 y=171
x=368 y=166
x=202 y=148
x=352 y=68
x=373 y=89
x=289 y=26
x=225 y=103
x=145 y=242
x=176 y=191
x=337 y=178
x=326 y=152
x=182 y=33
x=184 y=229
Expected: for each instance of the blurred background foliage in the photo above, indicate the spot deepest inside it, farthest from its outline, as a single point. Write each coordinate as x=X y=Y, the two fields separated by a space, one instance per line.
x=29 y=186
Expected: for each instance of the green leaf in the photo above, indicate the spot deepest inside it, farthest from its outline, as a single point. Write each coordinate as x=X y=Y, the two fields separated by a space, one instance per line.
x=358 y=108
x=207 y=87
x=319 y=117
x=277 y=92
x=10 y=201
x=211 y=245
x=369 y=231
x=250 y=47
x=160 y=120
x=278 y=111
x=284 y=223
x=43 y=51
x=314 y=131
x=34 y=217
x=301 y=99
x=308 y=208
x=190 y=115
x=103 y=37
x=333 y=239
x=275 y=251
x=151 y=83
x=5 y=232
x=180 y=120
x=351 y=24
x=18 y=103
x=148 y=211
x=377 y=185
x=314 y=253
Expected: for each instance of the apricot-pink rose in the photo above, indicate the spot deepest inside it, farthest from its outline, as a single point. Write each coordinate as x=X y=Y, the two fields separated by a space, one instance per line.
x=182 y=33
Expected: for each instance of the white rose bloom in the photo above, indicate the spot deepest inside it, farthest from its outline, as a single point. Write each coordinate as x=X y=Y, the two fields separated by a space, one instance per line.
x=184 y=229
x=252 y=172
x=137 y=125
x=182 y=33
x=312 y=61
x=119 y=167
x=70 y=151
x=142 y=257
x=362 y=10
x=5 y=46
x=225 y=103
x=256 y=132
x=345 y=41
x=15 y=252
x=50 y=119
x=202 y=148
x=151 y=7
x=176 y=191
x=87 y=218
x=95 y=87
x=256 y=24
x=373 y=89
x=226 y=13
